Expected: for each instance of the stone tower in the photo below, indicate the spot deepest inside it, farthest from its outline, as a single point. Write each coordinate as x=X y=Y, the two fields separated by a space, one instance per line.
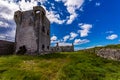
x=33 y=30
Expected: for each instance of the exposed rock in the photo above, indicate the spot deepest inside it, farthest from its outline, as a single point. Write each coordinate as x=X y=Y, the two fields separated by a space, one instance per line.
x=109 y=53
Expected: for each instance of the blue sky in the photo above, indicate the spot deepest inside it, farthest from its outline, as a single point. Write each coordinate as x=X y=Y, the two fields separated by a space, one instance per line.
x=86 y=23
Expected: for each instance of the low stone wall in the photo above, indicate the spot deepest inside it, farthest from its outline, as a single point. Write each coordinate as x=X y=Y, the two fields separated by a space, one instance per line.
x=109 y=53
x=6 y=47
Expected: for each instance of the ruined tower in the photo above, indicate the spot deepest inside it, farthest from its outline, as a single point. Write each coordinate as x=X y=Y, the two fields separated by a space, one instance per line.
x=33 y=30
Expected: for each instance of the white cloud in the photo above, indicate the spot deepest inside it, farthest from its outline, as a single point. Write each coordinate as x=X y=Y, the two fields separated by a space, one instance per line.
x=97 y=4
x=80 y=24
x=66 y=37
x=94 y=46
x=22 y=4
x=85 y=30
x=4 y=24
x=64 y=44
x=8 y=36
x=57 y=0
x=73 y=35
x=2 y=37
x=72 y=6
x=81 y=41
x=53 y=38
x=112 y=37
x=54 y=17
x=7 y=9
x=71 y=18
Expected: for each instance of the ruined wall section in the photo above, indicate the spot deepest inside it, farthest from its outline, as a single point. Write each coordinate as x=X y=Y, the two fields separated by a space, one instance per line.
x=6 y=47
x=62 y=48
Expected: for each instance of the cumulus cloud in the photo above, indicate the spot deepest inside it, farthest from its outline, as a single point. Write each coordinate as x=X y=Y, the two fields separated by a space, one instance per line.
x=73 y=35
x=53 y=38
x=54 y=17
x=85 y=30
x=72 y=6
x=112 y=37
x=7 y=9
x=2 y=37
x=81 y=41
x=4 y=24
x=64 y=44
x=66 y=37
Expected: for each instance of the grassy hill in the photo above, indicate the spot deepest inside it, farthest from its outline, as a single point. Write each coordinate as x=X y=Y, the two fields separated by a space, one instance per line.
x=79 y=65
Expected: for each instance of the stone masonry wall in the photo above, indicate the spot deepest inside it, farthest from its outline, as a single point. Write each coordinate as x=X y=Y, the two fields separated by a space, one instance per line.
x=6 y=47
x=33 y=30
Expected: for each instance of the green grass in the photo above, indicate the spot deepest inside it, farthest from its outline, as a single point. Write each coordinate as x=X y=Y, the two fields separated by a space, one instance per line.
x=59 y=66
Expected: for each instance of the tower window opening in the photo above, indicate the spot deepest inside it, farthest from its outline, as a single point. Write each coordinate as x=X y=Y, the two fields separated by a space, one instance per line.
x=48 y=47
x=16 y=16
x=43 y=29
x=43 y=47
x=37 y=12
x=48 y=32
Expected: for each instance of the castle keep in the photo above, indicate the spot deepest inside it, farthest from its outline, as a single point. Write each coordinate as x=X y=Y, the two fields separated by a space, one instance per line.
x=33 y=30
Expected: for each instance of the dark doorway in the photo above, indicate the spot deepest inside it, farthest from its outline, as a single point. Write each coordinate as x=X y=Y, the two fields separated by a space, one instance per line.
x=22 y=50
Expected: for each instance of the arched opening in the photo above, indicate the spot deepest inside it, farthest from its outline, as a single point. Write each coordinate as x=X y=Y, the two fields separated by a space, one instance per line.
x=37 y=12
x=22 y=50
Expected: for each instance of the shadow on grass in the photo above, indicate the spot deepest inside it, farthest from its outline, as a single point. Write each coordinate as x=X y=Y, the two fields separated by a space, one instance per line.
x=53 y=56
x=29 y=57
